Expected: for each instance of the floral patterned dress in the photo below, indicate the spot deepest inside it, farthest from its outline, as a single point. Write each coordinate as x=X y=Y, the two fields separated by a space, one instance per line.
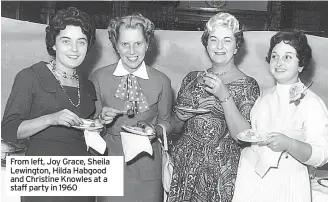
x=205 y=156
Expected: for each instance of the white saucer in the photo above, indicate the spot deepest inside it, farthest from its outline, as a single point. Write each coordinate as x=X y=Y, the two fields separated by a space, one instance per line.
x=132 y=129
x=259 y=137
x=191 y=110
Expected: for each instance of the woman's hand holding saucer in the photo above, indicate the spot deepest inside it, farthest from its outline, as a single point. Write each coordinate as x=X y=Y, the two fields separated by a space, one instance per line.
x=183 y=115
x=149 y=128
x=64 y=117
x=277 y=142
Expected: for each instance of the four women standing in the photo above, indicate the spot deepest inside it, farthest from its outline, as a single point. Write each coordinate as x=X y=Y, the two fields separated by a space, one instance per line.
x=206 y=156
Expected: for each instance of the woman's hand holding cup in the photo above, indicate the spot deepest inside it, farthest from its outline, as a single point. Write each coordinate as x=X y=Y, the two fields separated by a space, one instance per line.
x=215 y=86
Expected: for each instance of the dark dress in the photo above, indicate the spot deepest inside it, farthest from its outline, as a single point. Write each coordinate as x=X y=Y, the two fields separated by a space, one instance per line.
x=205 y=156
x=35 y=93
x=142 y=175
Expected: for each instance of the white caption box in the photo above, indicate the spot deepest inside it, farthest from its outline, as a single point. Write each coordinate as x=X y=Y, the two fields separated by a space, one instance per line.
x=64 y=176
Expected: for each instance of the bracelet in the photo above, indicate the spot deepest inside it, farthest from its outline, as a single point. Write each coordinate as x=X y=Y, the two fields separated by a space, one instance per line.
x=225 y=99
x=290 y=146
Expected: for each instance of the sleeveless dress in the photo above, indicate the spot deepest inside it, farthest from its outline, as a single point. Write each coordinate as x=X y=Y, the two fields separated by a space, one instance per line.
x=205 y=156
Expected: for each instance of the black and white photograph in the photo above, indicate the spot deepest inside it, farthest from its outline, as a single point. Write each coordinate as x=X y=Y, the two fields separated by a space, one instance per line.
x=164 y=101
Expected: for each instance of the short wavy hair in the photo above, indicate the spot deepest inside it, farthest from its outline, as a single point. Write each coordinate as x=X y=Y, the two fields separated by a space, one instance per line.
x=298 y=40
x=69 y=16
x=223 y=20
x=131 y=21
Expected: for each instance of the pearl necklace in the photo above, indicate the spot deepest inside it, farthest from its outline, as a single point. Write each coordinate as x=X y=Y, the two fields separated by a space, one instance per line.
x=62 y=73
x=75 y=76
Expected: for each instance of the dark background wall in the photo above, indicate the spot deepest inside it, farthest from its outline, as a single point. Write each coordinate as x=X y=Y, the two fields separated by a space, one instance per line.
x=310 y=16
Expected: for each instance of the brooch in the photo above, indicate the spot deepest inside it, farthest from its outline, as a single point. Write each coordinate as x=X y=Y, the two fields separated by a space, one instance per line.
x=297 y=92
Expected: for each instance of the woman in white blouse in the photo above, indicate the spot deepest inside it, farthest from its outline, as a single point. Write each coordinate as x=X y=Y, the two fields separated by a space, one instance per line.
x=296 y=121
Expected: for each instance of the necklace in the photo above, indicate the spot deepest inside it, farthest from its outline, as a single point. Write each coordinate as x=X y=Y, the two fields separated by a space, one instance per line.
x=219 y=74
x=62 y=73
x=54 y=70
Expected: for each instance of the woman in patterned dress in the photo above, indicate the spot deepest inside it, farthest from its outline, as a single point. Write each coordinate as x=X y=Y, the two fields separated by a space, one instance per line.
x=296 y=120
x=206 y=155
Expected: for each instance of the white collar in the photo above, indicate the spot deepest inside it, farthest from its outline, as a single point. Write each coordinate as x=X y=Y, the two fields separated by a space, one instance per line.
x=287 y=86
x=141 y=72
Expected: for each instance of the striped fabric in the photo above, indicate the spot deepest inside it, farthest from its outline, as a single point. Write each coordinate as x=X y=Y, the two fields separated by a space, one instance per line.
x=293 y=184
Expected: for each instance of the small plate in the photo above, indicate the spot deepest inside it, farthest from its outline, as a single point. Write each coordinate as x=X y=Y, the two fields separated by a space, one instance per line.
x=87 y=125
x=8 y=147
x=252 y=136
x=323 y=182
x=135 y=130
x=191 y=110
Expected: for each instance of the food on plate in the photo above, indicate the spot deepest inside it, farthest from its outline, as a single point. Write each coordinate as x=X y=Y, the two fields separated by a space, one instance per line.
x=250 y=134
x=149 y=130
x=91 y=123
x=142 y=127
x=146 y=127
x=136 y=128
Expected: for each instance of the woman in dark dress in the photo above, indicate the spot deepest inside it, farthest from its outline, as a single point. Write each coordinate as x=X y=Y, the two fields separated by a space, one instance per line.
x=206 y=155
x=47 y=99
x=148 y=94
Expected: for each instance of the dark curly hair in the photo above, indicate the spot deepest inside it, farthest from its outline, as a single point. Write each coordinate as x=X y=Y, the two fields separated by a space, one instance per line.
x=131 y=21
x=69 y=16
x=298 y=40
x=226 y=20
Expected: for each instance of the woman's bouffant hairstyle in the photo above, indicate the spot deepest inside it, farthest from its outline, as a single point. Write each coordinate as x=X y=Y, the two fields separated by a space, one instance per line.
x=298 y=40
x=69 y=16
x=223 y=20
x=131 y=21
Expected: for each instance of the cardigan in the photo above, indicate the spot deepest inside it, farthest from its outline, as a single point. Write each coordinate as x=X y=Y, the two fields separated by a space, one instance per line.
x=158 y=92
x=35 y=93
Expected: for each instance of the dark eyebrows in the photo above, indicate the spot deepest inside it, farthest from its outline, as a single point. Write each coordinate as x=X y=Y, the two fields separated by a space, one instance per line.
x=65 y=37
x=286 y=52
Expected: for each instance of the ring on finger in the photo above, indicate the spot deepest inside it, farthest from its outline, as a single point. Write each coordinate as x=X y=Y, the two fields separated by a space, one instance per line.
x=213 y=85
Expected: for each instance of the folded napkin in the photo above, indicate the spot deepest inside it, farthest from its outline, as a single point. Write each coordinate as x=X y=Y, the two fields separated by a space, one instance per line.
x=267 y=159
x=135 y=144
x=95 y=141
